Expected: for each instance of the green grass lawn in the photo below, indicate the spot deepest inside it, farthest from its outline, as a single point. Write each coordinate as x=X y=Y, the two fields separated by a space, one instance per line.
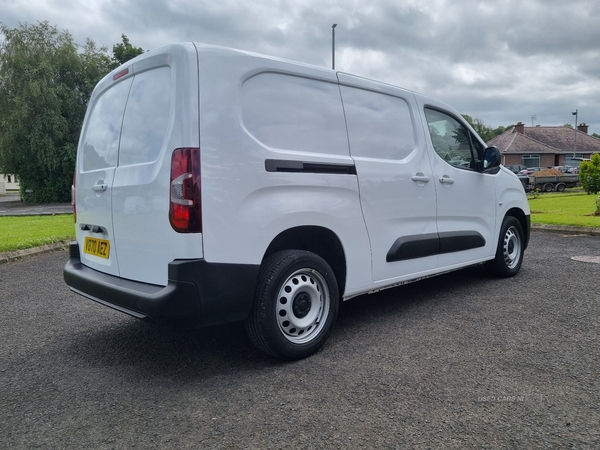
x=569 y=208
x=573 y=208
x=21 y=232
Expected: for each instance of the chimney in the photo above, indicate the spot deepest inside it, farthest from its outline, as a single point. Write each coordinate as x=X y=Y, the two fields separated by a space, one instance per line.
x=583 y=127
x=520 y=127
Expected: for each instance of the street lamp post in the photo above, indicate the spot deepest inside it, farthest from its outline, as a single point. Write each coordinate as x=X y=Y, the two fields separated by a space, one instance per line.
x=333 y=45
x=575 y=144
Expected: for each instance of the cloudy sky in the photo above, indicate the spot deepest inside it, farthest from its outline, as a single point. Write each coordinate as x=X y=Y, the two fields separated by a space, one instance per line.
x=501 y=61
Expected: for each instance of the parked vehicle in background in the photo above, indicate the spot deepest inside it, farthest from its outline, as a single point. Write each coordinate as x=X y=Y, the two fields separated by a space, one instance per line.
x=552 y=180
x=529 y=170
x=214 y=185
x=564 y=169
x=516 y=168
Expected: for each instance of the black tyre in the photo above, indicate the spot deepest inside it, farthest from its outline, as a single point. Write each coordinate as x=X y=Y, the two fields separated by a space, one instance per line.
x=560 y=187
x=509 y=254
x=295 y=305
x=548 y=187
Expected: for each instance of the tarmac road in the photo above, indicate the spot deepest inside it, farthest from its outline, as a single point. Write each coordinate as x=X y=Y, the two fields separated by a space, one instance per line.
x=458 y=361
x=11 y=205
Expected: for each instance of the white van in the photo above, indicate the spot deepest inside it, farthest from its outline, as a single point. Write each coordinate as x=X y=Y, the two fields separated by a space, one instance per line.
x=215 y=185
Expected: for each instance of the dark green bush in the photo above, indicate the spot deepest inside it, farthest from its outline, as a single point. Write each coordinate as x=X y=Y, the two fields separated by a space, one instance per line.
x=589 y=174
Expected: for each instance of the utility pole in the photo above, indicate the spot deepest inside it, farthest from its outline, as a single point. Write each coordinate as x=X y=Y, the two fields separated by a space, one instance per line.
x=575 y=145
x=333 y=45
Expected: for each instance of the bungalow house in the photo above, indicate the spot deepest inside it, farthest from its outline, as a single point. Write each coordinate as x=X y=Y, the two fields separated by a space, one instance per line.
x=7 y=183
x=545 y=146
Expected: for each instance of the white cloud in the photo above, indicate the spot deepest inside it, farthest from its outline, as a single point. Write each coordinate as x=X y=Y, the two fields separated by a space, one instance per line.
x=500 y=61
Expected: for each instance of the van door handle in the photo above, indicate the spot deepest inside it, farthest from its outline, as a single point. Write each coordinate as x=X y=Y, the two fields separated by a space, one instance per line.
x=446 y=180
x=100 y=186
x=420 y=178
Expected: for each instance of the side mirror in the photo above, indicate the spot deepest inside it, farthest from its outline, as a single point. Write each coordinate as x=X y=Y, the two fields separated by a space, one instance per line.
x=491 y=160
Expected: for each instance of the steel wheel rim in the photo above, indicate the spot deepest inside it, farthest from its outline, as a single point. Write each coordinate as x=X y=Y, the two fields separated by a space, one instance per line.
x=511 y=248
x=302 y=306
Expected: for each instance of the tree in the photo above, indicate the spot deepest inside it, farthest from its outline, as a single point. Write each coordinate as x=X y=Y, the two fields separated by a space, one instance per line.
x=45 y=84
x=124 y=51
x=589 y=174
x=486 y=133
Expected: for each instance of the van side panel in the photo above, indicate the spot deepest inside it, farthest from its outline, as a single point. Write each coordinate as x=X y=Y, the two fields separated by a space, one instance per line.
x=274 y=157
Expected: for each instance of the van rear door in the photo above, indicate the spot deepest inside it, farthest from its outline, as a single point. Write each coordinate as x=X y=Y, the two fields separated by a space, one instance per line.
x=161 y=115
x=138 y=116
x=98 y=154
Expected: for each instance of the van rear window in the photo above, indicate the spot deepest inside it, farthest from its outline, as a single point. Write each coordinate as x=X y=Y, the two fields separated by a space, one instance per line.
x=101 y=136
x=294 y=113
x=146 y=117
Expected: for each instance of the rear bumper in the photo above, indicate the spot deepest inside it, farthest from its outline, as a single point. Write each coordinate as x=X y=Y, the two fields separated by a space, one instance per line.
x=198 y=293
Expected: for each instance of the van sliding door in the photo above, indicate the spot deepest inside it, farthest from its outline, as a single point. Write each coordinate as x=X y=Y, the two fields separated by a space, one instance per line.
x=397 y=191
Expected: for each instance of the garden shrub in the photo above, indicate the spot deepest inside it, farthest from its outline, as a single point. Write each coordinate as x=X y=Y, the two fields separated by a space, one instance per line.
x=589 y=174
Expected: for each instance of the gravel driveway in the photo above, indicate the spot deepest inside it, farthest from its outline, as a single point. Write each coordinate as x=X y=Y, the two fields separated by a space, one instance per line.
x=458 y=361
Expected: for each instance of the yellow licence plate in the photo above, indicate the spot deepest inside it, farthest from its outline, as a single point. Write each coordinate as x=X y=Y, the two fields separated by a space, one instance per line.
x=97 y=247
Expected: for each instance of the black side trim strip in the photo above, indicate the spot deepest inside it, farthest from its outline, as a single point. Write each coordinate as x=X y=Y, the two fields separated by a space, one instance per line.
x=281 y=165
x=411 y=247
x=457 y=241
x=420 y=246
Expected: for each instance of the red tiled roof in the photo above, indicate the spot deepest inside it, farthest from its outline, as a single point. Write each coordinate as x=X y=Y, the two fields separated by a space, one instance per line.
x=546 y=140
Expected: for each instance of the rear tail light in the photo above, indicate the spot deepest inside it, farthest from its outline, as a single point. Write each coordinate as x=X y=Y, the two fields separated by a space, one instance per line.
x=185 y=211
x=74 y=197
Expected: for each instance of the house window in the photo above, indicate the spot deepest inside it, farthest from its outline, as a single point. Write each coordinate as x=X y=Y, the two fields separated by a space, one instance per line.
x=531 y=160
x=574 y=160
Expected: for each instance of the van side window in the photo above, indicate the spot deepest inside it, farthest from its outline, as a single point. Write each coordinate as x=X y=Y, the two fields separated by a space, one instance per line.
x=294 y=113
x=100 y=139
x=146 y=117
x=379 y=125
x=452 y=141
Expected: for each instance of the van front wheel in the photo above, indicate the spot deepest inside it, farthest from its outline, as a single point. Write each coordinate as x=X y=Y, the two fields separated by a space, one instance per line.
x=295 y=305
x=509 y=253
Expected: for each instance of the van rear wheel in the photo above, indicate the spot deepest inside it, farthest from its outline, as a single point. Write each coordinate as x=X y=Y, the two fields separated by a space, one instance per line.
x=509 y=253
x=295 y=305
